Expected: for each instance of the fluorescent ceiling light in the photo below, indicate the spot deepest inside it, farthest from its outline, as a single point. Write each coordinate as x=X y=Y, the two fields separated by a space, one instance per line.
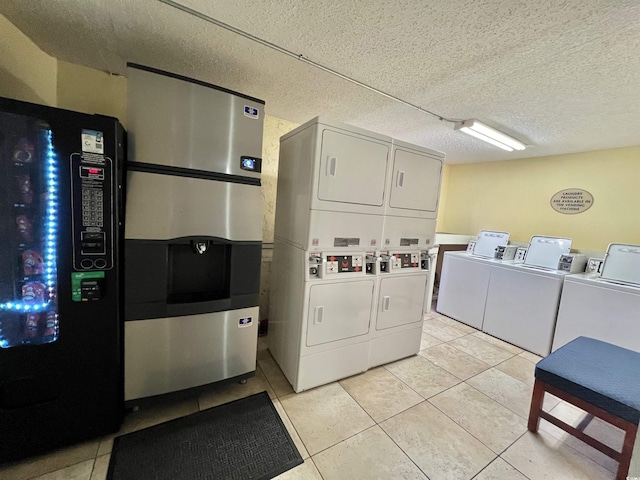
x=489 y=135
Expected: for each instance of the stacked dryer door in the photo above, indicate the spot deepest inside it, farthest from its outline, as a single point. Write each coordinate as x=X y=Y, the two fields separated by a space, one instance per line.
x=411 y=206
x=321 y=306
x=399 y=308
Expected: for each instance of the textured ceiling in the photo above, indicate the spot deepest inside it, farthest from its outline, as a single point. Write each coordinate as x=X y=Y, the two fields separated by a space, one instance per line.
x=561 y=75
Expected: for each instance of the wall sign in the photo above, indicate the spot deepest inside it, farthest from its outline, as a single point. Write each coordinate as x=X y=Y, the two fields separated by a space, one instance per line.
x=571 y=201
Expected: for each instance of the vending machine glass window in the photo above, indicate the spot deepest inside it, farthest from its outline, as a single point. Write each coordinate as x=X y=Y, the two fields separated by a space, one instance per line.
x=28 y=227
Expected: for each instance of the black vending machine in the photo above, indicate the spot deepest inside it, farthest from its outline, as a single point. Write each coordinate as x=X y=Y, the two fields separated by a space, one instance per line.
x=61 y=305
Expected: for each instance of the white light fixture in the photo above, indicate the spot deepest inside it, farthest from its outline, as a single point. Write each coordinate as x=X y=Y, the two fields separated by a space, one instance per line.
x=489 y=135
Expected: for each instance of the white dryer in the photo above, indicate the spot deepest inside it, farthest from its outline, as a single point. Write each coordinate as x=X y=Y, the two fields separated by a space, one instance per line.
x=320 y=315
x=397 y=321
x=331 y=186
x=411 y=205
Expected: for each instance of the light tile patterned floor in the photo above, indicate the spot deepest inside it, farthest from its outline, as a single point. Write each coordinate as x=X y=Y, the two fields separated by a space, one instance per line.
x=456 y=411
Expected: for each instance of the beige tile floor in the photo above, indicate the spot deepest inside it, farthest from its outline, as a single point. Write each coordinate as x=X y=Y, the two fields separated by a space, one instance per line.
x=457 y=411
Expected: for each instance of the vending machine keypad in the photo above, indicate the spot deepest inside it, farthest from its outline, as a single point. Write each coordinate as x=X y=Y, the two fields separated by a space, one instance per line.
x=91 y=183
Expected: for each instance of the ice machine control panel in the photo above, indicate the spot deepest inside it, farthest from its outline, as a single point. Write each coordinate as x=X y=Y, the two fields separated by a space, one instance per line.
x=91 y=185
x=251 y=164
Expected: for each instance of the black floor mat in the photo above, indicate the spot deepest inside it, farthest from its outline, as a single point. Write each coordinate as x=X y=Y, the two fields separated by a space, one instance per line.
x=243 y=439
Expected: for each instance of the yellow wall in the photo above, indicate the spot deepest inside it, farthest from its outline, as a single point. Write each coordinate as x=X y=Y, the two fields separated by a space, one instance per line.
x=26 y=72
x=84 y=89
x=514 y=196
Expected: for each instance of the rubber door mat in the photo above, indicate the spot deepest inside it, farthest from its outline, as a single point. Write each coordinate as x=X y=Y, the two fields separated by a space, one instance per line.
x=243 y=439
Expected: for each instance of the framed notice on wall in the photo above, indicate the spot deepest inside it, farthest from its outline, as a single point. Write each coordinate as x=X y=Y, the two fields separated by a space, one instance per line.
x=571 y=201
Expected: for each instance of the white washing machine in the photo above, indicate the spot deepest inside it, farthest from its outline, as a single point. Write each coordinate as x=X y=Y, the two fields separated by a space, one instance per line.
x=605 y=306
x=522 y=300
x=397 y=320
x=598 y=308
x=464 y=282
x=320 y=316
x=522 y=304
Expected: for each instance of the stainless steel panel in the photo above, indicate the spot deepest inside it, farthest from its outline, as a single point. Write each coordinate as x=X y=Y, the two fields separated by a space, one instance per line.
x=161 y=207
x=182 y=124
x=169 y=354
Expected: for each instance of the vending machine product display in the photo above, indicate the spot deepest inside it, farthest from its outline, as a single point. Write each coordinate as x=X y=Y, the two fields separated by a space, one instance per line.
x=61 y=207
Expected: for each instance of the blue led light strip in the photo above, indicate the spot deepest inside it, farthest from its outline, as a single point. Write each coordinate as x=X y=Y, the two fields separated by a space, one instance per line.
x=50 y=233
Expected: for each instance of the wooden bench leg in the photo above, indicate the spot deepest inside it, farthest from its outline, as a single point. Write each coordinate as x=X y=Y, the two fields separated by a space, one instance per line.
x=627 y=451
x=536 y=405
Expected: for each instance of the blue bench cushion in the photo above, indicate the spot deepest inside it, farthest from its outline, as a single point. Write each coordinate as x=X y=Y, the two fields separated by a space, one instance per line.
x=597 y=372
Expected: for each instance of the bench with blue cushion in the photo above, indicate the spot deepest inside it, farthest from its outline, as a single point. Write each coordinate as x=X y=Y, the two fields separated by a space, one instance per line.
x=601 y=379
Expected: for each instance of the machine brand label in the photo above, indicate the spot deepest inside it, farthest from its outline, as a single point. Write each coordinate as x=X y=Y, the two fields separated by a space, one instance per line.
x=245 y=322
x=346 y=242
x=251 y=112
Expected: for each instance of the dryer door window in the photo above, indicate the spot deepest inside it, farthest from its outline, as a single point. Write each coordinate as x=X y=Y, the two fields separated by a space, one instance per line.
x=352 y=169
x=338 y=311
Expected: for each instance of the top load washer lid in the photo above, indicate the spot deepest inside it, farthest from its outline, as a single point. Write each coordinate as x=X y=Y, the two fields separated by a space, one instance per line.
x=622 y=264
x=488 y=241
x=545 y=252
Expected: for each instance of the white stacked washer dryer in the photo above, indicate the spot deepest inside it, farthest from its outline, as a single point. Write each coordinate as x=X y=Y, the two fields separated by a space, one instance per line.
x=411 y=208
x=333 y=183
